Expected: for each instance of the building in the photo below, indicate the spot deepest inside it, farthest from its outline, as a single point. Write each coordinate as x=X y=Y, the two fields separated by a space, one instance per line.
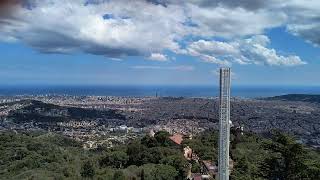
x=177 y=138
x=209 y=168
x=196 y=176
x=151 y=133
x=224 y=124
x=187 y=153
x=123 y=128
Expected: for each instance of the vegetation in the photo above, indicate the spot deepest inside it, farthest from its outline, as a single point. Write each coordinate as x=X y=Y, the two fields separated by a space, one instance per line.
x=48 y=156
x=289 y=160
x=205 y=145
x=297 y=97
x=35 y=155
x=277 y=158
x=38 y=111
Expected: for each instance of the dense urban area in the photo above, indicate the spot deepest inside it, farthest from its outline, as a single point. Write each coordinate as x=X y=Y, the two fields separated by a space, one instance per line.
x=104 y=137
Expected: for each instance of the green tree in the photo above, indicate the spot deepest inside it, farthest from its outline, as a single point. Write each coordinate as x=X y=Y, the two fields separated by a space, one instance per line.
x=177 y=161
x=287 y=160
x=164 y=172
x=87 y=170
x=135 y=151
x=204 y=145
x=196 y=168
x=241 y=170
x=116 y=159
x=118 y=175
x=158 y=172
x=162 y=138
x=142 y=174
x=153 y=155
x=149 y=141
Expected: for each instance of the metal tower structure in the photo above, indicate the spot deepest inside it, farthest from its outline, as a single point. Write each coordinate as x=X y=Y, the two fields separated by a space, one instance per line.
x=224 y=124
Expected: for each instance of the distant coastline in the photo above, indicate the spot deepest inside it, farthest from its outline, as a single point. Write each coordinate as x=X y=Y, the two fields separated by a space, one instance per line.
x=158 y=90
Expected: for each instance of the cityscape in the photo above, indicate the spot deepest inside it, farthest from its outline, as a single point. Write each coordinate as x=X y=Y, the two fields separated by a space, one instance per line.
x=159 y=90
x=108 y=122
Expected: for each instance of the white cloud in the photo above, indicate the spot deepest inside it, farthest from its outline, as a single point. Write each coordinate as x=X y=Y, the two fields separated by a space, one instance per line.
x=158 y=57
x=304 y=19
x=300 y=17
x=117 y=28
x=253 y=50
x=208 y=47
x=67 y=26
x=212 y=51
x=116 y=59
x=225 y=22
x=175 y=68
x=246 y=4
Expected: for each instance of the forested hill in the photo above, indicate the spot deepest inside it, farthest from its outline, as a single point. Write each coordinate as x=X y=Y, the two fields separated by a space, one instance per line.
x=38 y=111
x=297 y=97
x=41 y=156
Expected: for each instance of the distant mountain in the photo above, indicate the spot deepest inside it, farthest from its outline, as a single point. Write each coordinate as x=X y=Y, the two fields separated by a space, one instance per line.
x=297 y=97
x=38 y=111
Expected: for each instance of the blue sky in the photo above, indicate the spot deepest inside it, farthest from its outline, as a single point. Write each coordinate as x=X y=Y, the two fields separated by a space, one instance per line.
x=275 y=52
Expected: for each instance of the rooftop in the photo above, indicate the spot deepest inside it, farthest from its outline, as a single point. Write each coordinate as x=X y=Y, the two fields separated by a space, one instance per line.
x=177 y=138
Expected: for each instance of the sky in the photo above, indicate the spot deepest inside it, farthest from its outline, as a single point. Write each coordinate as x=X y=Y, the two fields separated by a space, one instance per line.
x=159 y=42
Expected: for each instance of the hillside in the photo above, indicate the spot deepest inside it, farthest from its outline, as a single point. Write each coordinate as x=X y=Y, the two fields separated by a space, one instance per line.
x=297 y=97
x=38 y=111
x=36 y=155
x=298 y=118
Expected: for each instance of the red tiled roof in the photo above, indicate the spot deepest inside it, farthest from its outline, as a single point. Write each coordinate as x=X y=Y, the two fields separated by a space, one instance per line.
x=196 y=176
x=177 y=138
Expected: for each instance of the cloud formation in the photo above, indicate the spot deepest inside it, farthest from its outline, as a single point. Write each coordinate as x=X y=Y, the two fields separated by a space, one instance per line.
x=158 y=57
x=304 y=19
x=119 y=28
x=253 y=50
x=57 y=26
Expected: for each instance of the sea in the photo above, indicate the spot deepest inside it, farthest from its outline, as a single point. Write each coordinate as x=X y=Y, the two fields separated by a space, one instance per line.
x=156 y=90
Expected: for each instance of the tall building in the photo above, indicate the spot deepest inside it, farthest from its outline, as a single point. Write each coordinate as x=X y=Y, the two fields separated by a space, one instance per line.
x=224 y=124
